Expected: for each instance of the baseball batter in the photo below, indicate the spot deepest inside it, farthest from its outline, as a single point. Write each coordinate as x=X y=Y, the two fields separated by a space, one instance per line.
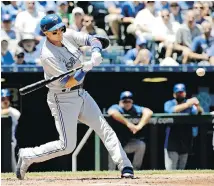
x=68 y=101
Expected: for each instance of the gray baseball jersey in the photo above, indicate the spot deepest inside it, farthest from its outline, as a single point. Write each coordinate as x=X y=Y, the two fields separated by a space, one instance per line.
x=70 y=106
x=57 y=60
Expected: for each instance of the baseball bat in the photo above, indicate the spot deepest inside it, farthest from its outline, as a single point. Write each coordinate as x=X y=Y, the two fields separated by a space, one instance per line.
x=35 y=86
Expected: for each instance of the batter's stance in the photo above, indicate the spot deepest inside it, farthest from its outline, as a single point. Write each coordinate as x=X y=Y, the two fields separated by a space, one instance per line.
x=68 y=101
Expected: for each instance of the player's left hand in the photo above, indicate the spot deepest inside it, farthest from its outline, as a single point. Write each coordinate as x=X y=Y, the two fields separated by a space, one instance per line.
x=96 y=58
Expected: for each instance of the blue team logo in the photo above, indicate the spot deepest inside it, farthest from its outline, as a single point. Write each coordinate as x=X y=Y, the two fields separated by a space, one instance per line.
x=69 y=65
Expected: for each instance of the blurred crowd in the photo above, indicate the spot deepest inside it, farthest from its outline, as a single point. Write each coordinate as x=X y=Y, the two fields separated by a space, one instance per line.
x=141 y=32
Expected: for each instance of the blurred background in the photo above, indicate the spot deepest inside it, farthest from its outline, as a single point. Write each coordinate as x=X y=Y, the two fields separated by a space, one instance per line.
x=154 y=45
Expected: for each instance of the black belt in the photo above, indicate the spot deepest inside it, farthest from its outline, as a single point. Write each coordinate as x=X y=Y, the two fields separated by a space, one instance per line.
x=73 y=88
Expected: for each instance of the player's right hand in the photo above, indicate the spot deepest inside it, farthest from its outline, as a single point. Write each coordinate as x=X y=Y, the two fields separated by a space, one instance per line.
x=87 y=66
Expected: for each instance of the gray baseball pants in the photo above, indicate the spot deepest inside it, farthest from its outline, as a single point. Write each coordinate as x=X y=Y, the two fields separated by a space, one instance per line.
x=67 y=108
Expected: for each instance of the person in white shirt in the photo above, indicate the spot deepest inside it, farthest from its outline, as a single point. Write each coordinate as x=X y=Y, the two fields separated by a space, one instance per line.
x=165 y=31
x=145 y=18
x=26 y=21
x=6 y=109
x=78 y=14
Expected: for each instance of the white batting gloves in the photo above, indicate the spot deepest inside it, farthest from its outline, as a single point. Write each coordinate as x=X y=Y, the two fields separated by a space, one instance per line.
x=96 y=58
x=88 y=65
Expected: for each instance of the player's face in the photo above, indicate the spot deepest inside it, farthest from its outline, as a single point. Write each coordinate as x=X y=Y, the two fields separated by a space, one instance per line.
x=127 y=104
x=5 y=102
x=55 y=35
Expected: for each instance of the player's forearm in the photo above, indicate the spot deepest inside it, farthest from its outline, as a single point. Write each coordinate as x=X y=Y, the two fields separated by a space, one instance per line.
x=119 y=117
x=181 y=107
x=94 y=43
x=71 y=81
x=147 y=114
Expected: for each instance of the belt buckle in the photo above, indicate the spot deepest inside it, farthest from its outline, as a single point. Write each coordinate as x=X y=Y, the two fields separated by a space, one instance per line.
x=66 y=89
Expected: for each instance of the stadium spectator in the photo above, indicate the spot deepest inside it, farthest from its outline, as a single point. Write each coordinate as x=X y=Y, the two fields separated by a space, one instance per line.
x=3 y=10
x=6 y=56
x=90 y=28
x=207 y=8
x=212 y=32
x=203 y=43
x=114 y=16
x=145 y=18
x=63 y=11
x=78 y=15
x=188 y=31
x=198 y=12
x=135 y=145
x=178 y=138
x=165 y=31
x=184 y=36
x=130 y=10
x=161 y=5
x=97 y=9
x=165 y=28
x=31 y=52
x=139 y=55
x=26 y=21
x=175 y=12
x=19 y=57
x=7 y=109
x=13 y=9
x=44 y=5
x=186 y=5
x=7 y=30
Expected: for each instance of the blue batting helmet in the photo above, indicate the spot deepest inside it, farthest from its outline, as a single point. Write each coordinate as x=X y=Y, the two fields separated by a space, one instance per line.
x=180 y=87
x=51 y=22
x=5 y=93
x=126 y=95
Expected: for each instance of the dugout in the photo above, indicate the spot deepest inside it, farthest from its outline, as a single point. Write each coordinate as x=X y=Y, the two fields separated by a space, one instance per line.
x=36 y=123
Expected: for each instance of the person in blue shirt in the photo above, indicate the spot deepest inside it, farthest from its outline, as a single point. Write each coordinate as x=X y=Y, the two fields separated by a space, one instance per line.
x=198 y=10
x=175 y=12
x=130 y=10
x=139 y=55
x=7 y=30
x=14 y=8
x=178 y=138
x=161 y=5
x=6 y=56
x=202 y=44
x=126 y=106
x=201 y=48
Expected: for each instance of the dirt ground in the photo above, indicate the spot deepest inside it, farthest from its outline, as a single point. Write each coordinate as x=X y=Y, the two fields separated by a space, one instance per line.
x=105 y=179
